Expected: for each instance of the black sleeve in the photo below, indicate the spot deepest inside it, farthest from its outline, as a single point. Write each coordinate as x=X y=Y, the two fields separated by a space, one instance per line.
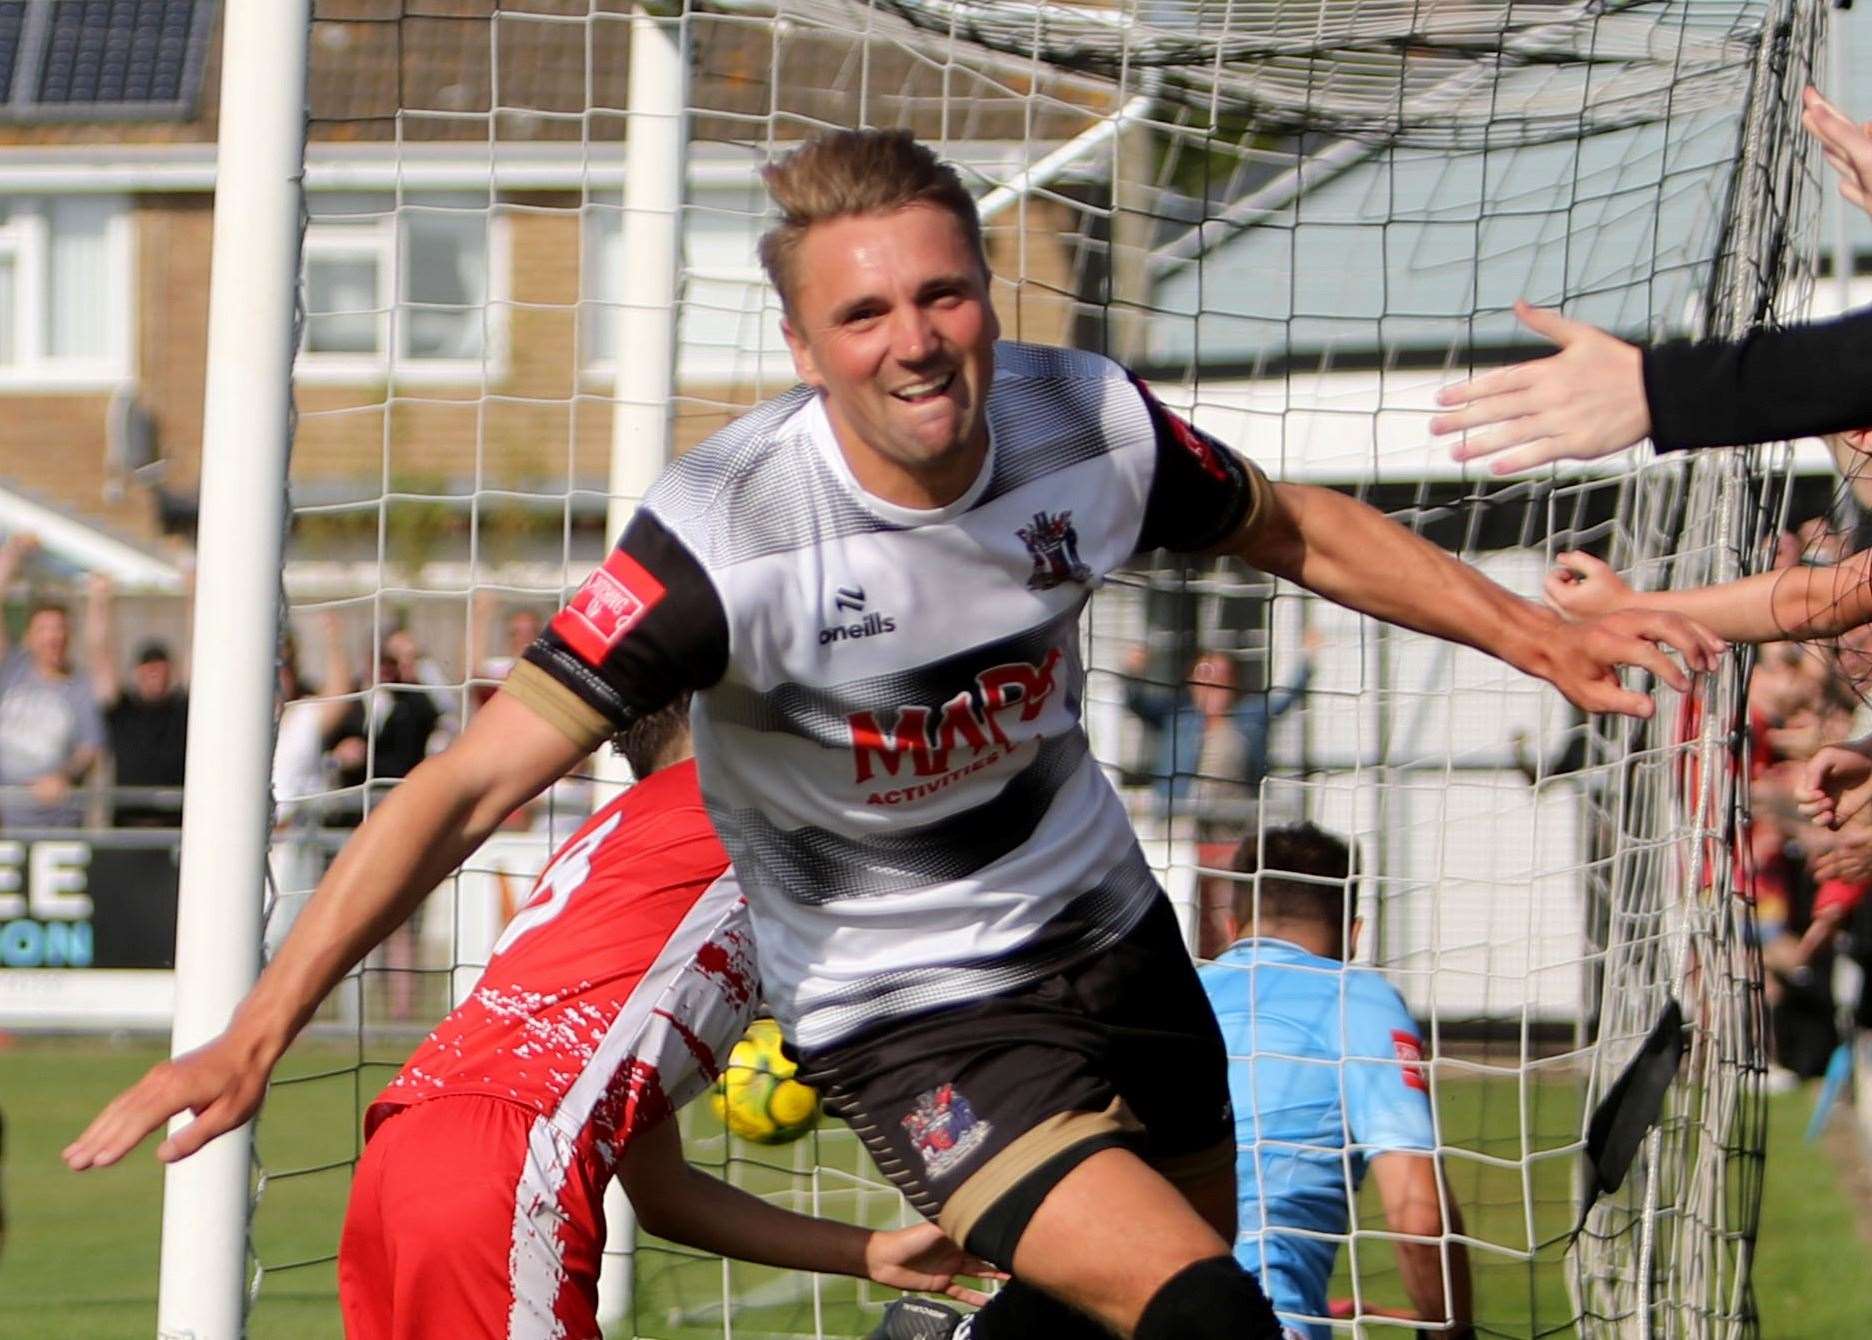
x=645 y=627
x=1769 y=385
x=1201 y=491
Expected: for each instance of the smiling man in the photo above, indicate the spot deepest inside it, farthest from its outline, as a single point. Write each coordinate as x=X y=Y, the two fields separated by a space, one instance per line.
x=956 y=927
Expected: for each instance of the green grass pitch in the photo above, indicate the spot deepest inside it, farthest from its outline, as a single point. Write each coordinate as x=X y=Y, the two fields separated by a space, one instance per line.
x=80 y=1252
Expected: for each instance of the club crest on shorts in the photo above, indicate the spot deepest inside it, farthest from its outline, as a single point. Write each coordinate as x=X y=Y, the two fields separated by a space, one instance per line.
x=943 y=1129
x=1054 y=543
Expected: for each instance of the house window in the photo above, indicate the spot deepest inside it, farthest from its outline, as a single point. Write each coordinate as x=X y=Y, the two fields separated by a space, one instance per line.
x=401 y=285
x=64 y=291
x=727 y=321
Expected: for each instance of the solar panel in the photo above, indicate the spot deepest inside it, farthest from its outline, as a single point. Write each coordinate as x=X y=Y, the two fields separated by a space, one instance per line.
x=12 y=23
x=101 y=59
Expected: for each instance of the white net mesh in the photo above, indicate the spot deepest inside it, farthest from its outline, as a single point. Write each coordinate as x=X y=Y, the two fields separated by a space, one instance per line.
x=1298 y=220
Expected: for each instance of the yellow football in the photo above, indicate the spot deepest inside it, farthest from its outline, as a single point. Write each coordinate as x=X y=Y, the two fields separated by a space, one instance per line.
x=757 y=1096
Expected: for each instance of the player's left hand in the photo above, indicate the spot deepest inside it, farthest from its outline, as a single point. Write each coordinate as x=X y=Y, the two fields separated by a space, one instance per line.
x=1582 y=660
x=1586 y=401
x=919 y=1259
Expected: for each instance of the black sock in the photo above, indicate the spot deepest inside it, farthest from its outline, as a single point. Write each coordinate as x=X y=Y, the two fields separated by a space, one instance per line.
x=1022 y=1312
x=1210 y=1300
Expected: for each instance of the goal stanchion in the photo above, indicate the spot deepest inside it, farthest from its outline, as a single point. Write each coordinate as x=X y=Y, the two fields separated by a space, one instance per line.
x=1296 y=230
x=245 y=439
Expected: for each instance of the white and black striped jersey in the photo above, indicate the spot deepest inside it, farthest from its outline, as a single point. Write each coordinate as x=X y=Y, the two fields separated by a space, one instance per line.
x=887 y=710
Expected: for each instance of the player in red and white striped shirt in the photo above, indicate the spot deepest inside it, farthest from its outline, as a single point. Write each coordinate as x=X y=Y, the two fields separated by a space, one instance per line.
x=478 y=1206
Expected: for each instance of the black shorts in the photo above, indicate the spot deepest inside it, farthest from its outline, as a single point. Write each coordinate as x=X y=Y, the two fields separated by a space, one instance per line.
x=976 y=1112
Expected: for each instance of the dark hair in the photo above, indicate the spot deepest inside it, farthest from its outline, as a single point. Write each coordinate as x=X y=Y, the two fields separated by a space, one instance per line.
x=647 y=739
x=855 y=172
x=153 y=650
x=1305 y=875
x=46 y=606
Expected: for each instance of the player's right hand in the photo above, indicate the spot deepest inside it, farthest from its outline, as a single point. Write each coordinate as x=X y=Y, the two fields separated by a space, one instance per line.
x=221 y=1083
x=920 y=1259
x=1584 y=587
x=1836 y=784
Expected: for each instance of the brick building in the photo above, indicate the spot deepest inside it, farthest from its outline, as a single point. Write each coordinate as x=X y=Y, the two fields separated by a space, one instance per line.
x=461 y=255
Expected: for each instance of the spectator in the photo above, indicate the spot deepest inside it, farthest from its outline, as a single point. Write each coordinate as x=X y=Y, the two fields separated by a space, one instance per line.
x=146 y=723
x=50 y=730
x=519 y=628
x=1212 y=739
x=1326 y=1074
x=379 y=740
x=416 y=666
x=1599 y=395
x=309 y=714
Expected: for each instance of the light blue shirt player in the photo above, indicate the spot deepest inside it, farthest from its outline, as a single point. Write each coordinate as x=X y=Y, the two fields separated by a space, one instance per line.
x=1326 y=1074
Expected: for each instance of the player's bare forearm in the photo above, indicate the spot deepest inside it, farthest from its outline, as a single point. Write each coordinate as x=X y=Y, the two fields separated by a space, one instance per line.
x=440 y=813
x=684 y=1204
x=1353 y=554
x=1419 y=1203
x=1420 y=1269
x=432 y=821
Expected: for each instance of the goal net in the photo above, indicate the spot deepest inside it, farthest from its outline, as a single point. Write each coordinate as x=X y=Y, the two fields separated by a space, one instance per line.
x=1297 y=220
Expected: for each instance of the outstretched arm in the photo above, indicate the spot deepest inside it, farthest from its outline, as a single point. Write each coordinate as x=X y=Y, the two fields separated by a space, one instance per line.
x=1352 y=554
x=19 y=546
x=1789 y=604
x=678 y=1201
x=1599 y=395
x=100 y=655
x=425 y=828
x=1415 y=1196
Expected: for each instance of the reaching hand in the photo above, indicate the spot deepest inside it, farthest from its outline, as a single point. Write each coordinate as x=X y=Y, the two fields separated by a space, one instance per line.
x=1847 y=857
x=1582 y=659
x=1801 y=738
x=1836 y=783
x=20 y=545
x=1847 y=146
x=919 y=1259
x=1584 y=587
x=222 y=1083
x=1586 y=401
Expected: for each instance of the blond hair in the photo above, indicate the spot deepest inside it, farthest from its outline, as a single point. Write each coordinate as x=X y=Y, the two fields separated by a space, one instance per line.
x=853 y=172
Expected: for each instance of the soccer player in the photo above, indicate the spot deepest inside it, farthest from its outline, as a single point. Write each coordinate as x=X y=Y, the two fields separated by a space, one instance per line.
x=1325 y=1070
x=1599 y=395
x=609 y=1001
x=873 y=584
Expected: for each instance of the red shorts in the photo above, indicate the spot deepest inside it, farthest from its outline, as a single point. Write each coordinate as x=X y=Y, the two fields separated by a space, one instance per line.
x=472 y=1217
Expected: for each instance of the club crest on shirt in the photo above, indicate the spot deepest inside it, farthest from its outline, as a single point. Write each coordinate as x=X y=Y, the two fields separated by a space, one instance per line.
x=943 y=1129
x=1053 y=542
x=1410 y=1060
